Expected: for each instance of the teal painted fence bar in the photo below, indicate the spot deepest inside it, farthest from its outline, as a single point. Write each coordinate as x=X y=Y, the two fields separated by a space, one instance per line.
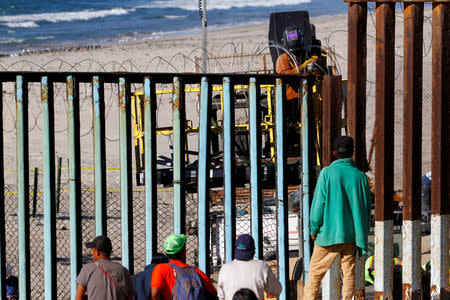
x=203 y=176
x=229 y=162
x=150 y=169
x=99 y=155
x=179 y=200
x=23 y=201
x=2 y=206
x=73 y=131
x=48 y=158
x=255 y=167
x=281 y=187
x=126 y=185
x=305 y=178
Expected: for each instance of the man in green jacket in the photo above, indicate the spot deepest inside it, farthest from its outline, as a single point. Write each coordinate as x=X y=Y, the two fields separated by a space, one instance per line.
x=339 y=218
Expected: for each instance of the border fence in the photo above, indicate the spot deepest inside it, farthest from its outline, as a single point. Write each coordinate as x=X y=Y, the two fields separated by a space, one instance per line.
x=134 y=215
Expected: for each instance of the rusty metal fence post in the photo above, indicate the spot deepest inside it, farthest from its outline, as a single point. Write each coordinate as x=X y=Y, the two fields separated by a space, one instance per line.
x=412 y=149
x=440 y=184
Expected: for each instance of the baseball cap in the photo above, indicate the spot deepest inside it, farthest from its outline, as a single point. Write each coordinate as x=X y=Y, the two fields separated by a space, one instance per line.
x=174 y=243
x=245 y=247
x=344 y=145
x=101 y=243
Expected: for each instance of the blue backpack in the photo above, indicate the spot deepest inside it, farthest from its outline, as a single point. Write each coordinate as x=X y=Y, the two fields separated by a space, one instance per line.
x=188 y=284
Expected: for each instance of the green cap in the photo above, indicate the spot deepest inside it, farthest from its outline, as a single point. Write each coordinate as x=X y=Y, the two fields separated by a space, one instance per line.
x=174 y=243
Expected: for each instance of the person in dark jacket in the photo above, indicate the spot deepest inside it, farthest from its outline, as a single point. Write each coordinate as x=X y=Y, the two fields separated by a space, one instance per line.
x=142 y=281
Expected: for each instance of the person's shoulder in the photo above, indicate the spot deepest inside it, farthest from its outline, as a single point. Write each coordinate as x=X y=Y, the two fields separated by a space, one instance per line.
x=88 y=267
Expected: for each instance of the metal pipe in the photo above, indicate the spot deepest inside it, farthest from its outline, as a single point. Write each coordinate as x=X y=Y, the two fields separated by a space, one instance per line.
x=440 y=158
x=35 y=190
x=151 y=213
x=255 y=167
x=58 y=183
x=229 y=168
x=73 y=128
x=205 y=39
x=384 y=152
x=282 y=197
x=203 y=176
x=99 y=155
x=357 y=74
x=305 y=178
x=2 y=206
x=412 y=150
x=48 y=155
x=126 y=187
x=179 y=200
x=23 y=201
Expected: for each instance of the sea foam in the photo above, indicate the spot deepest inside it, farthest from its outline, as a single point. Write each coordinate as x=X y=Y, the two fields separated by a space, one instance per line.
x=220 y=4
x=30 y=20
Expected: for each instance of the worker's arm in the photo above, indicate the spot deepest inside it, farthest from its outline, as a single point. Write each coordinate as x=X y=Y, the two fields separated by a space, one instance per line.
x=283 y=65
x=156 y=293
x=81 y=290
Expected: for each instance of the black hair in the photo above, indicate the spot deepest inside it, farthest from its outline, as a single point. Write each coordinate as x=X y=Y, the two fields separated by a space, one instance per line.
x=179 y=255
x=159 y=258
x=245 y=294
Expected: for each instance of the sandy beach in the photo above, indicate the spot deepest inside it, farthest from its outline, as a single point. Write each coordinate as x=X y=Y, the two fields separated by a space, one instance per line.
x=183 y=53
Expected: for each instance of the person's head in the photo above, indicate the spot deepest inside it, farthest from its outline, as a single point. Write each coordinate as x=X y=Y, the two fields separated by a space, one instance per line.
x=175 y=247
x=244 y=294
x=244 y=248
x=159 y=258
x=101 y=247
x=343 y=147
x=293 y=38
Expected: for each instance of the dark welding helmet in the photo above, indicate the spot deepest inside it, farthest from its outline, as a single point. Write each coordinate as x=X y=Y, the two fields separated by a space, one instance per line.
x=293 y=38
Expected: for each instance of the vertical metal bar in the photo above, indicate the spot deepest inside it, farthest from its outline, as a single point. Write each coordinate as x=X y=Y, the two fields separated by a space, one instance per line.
x=412 y=149
x=306 y=174
x=35 y=190
x=440 y=162
x=73 y=126
x=151 y=213
x=23 y=200
x=2 y=205
x=282 y=198
x=255 y=167
x=179 y=200
x=58 y=183
x=357 y=73
x=99 y=155
x=126 y=184
x=48 y=153
x=229 y=168
x=203 y=175
x=331 y=283
x=331 y=129
x=384 y=152
x=331 y=117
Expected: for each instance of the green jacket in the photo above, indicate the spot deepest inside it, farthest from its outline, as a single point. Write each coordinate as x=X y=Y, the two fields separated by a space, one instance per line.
x=340 y=211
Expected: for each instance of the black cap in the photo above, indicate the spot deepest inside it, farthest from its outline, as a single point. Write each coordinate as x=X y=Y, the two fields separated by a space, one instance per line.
x=344 y=145
x=101 y=243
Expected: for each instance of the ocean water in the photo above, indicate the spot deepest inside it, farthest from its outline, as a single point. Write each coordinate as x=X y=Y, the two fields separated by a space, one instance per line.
x=46 y=24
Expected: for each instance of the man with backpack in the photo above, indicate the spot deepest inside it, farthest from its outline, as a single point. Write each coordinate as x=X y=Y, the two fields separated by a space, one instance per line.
x=178 y=280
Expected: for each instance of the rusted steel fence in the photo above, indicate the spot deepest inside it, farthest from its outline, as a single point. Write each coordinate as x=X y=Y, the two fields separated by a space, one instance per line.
x=412 y=141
